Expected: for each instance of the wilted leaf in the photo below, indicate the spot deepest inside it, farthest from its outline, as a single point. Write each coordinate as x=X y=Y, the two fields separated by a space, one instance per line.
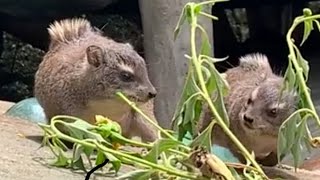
x=181 y=21
x=116 y=163
x=315 y=142
x=87 y=150
x=308 y=26
x=189 y=110
x=222 y=90
x=100 y=158
x=61 y=160
x=219 y=167
x=77 y=128
x=291 y=129
x=189 y=8
x=302 y=63
x=290 y=76
x=77 y=159
x=307 y=30
x=205 y=46
x=282 y=146
x=296 y=153
x=161 y=145
x=318 y=24
x=204 y=139
x=209 y=164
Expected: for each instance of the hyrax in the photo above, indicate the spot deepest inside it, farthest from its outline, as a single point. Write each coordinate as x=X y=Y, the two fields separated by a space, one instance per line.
x=82 y=71
x=255 y=108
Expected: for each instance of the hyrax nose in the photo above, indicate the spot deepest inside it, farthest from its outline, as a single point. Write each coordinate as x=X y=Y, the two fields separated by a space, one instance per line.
x=247 y=119
x=152 y=93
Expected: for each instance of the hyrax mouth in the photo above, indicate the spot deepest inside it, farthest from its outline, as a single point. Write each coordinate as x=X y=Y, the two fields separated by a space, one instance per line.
x=248 y=125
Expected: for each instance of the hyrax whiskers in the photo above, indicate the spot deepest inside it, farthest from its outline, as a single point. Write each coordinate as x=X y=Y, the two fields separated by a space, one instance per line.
x=82 y=71
x=255 y=108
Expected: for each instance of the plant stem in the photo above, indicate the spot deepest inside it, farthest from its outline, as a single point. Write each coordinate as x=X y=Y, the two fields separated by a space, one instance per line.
x=133 y=105
x=207 y=96
x=118 y=153
x=293 y=59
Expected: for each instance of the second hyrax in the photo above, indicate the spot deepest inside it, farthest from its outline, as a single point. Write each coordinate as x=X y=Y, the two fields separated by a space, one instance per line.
x=255 y=108
x=82 y=71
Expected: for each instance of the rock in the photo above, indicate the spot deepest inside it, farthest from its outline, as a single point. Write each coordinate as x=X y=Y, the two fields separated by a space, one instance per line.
x=18 y=61
x=50 y=8
x=28 y=109
x=119 y=28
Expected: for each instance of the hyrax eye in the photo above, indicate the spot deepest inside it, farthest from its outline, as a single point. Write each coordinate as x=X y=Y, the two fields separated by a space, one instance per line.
x=126 y=76
x=273 y=112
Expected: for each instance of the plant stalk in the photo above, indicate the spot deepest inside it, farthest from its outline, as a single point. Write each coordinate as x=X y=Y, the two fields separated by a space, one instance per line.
x=296 y=65
x=208 y=99
x=118 y=153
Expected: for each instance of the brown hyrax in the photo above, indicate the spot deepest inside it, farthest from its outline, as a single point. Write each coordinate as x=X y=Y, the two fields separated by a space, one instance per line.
x=82 y=71
x=255 y=109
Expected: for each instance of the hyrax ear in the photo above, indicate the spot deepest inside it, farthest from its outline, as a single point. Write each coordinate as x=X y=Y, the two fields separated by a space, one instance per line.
x=95 y=55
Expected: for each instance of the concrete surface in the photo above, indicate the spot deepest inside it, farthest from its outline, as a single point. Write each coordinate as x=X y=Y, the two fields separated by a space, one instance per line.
x=21 y=157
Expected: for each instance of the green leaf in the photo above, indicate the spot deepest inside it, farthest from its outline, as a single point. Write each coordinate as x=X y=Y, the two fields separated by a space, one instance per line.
x=290 y=130
x=189 y=8
x=296 y=153
x=161 y=145
x=318 y=24
x=79 y=129
x=222 y=90
x=282 y=146
x=100 y=158
x=205 y=46
x=197 y=9
x=62 y=160
x=118 y=138
x=116 y=163
x=290 y=76
x=104 y=130
x=181 y=21
x=180 y=108
x=189 y=110
x=204 y=139
x=308 y=27
x=87 y=150
x=141 y=174
x=302 y=63
x=77 y=161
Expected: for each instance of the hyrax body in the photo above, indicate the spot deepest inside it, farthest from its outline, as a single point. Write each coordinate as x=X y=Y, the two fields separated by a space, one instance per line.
x=255 y=109
x=82 y=71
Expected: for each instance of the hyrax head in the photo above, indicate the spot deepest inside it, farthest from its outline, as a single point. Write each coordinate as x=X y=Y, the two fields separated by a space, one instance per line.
x=118 y=67
x=266 y=108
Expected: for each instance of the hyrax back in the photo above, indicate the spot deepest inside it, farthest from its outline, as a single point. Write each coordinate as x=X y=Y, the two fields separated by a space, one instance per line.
x=255 y=108
x=82 y=71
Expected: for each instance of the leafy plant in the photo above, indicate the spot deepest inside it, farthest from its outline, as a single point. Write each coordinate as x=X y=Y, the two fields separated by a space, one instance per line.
x=294 y=133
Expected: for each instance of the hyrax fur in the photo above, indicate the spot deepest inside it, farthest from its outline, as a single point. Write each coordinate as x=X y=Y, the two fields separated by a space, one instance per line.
x=82 y=71
x=255 y=109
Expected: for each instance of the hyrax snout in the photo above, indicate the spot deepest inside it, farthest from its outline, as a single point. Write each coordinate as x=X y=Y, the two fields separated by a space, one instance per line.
x=120 y=70
x=265 y=108
x=82 y=71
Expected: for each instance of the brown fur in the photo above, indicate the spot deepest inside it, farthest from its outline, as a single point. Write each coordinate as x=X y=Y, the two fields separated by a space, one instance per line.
x=254 y=91
x=82 y=71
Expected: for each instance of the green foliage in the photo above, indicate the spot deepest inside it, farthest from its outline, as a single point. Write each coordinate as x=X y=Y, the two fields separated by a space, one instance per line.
x=294 y=134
